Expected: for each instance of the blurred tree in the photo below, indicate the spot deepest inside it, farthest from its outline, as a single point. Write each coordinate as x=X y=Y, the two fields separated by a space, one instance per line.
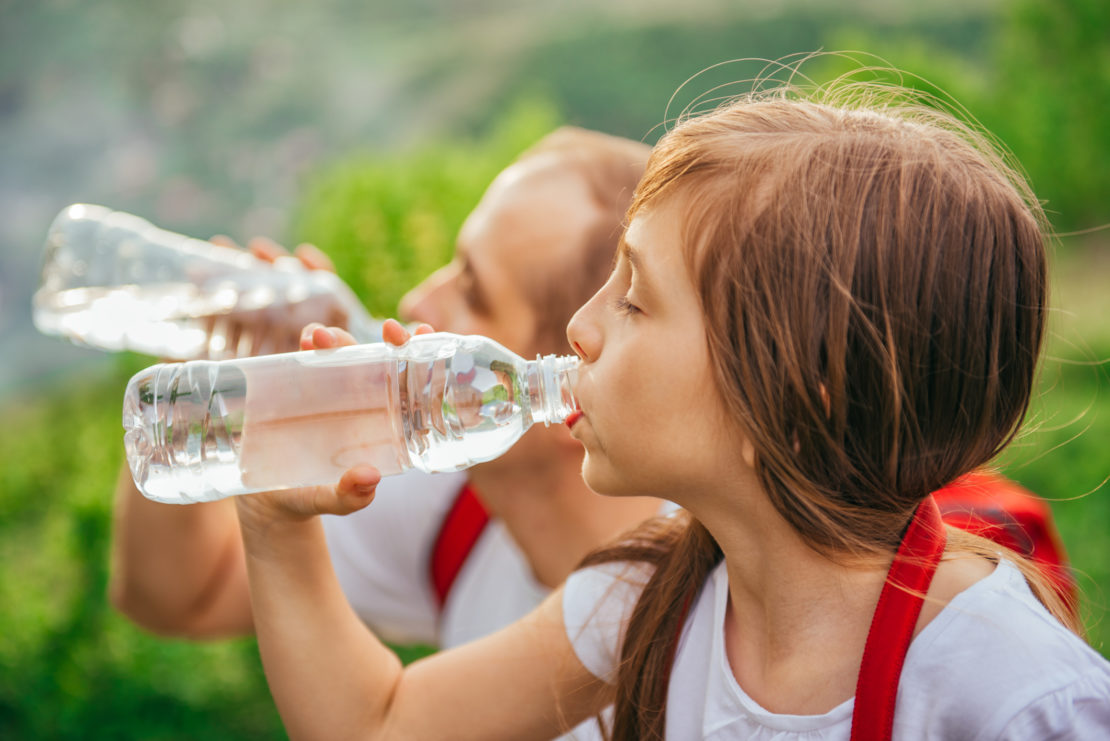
x=388 y=220
x=1040 y=82
x=1051 y=103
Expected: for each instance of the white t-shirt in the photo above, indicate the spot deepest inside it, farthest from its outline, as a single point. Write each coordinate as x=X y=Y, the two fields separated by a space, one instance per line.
x=382 y=553
x=994 y=664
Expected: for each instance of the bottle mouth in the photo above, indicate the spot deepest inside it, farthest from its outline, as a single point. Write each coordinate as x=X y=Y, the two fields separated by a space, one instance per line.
x=560 y=376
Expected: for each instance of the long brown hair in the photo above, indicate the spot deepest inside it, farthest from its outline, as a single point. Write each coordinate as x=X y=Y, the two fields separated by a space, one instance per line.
x=873 y=280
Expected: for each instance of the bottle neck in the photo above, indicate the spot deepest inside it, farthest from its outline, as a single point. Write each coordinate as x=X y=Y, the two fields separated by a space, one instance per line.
x=550 y=381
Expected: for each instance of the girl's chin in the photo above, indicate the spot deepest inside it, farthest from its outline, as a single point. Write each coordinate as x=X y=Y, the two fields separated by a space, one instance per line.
x=601 y=478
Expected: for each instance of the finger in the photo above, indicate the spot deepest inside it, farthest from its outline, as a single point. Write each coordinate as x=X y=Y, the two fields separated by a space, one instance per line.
x=343 y=338
x=423 y=328
x=394 y=333
x=328 y=337
x=209 y=324
x=244 y=347
x=324 y=338
x=314 y=258
x=266 y=249
x=224 y=241
x=306 y=335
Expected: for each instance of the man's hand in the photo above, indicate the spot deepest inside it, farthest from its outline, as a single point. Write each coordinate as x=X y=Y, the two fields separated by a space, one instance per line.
x=275 y=329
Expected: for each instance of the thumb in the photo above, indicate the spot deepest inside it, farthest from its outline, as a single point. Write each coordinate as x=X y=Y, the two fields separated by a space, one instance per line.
x=355 y=490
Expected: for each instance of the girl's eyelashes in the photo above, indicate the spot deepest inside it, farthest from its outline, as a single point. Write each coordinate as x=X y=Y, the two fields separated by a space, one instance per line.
x=624 y=306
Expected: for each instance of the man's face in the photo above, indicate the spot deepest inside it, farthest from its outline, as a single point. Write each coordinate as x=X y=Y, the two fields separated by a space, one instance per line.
x=528 y=229
x=529 y=226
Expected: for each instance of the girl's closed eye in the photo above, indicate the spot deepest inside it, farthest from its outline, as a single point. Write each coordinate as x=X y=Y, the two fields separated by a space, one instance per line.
x=624 y=306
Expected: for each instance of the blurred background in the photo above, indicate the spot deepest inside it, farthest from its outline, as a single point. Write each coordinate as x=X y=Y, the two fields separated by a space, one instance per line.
x=371 y=129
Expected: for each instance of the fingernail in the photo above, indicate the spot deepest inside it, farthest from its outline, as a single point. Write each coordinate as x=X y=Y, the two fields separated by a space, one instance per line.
x=365 y=478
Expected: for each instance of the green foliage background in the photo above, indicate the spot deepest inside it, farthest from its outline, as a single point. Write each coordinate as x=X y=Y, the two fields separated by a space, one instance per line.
x=1039 y=77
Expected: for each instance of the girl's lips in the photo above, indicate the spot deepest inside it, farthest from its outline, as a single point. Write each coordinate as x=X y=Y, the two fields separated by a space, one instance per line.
x=573 y=417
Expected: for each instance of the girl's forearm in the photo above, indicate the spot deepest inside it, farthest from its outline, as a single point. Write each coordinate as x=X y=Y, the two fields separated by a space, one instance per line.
x=330 y=677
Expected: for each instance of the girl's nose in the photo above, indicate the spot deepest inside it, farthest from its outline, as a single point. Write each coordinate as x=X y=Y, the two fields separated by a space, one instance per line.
x=584 y=334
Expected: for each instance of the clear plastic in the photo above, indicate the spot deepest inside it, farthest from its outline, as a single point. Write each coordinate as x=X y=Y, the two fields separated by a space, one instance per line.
x=205 y=430
x=113 y=281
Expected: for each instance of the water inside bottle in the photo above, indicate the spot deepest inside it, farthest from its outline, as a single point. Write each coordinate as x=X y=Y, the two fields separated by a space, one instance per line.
x=159 y=319
x=199 y=431
x=183 y=321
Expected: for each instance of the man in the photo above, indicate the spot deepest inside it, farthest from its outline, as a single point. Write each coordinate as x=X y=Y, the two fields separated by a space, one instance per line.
x=537 y=246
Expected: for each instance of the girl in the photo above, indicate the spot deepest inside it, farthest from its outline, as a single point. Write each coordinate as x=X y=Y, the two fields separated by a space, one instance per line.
x=821 y=312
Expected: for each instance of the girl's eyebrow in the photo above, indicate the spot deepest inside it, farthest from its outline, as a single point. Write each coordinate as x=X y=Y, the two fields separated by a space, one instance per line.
x=643 y=282
x=631 y=255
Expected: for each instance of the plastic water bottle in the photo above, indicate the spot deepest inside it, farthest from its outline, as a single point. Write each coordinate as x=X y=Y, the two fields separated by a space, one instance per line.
x=114 y=281
x=205 y=430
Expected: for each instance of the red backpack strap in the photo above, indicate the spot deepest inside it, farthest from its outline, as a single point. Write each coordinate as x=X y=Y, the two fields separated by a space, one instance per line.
x=893 y=623
x=464 y=523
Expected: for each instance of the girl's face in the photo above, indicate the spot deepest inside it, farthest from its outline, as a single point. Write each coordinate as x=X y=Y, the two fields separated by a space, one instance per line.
x=652 y=421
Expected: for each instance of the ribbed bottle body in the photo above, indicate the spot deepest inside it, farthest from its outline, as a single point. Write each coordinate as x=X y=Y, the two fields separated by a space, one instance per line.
x=113 y=281
x=205 y=430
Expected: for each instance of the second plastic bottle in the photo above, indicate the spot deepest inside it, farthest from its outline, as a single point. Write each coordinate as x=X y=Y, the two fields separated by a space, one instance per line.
x=114 y=281
x=205 y=430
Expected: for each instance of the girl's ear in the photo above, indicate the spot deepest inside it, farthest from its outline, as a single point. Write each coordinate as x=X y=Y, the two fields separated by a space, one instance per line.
x=747 y=452
x=825 y=399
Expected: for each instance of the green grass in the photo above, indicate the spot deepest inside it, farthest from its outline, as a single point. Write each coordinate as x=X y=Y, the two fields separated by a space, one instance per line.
x=70 y=667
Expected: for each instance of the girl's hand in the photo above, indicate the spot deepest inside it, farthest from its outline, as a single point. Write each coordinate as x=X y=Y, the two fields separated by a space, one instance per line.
x=356 y=487
x=316 y=336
